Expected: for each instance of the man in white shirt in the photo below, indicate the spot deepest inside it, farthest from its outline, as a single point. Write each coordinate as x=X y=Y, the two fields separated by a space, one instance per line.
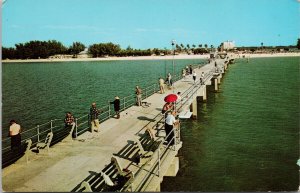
x=194 y=76
x=14 y=133
x=178 y=97
x=169 y=124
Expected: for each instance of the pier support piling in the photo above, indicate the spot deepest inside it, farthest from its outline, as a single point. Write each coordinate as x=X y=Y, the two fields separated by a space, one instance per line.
x=204 y=94
x=173 y=168
x=219 y=80
x=193 y=108
x=216 y=84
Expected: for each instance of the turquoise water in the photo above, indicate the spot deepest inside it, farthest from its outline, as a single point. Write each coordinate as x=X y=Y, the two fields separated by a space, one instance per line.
x=246 y=137
x=35 y=93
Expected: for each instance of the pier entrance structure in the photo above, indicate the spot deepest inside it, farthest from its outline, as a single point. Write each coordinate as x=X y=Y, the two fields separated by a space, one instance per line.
x=128 y=154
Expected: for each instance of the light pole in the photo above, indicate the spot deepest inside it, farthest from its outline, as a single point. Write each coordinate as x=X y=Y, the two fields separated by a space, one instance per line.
x=173 y=47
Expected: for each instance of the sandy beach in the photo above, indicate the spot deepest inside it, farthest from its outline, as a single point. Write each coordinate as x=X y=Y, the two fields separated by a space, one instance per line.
x=168 y=57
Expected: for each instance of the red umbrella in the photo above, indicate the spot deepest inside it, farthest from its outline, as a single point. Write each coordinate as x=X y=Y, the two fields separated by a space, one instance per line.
x=170 y=98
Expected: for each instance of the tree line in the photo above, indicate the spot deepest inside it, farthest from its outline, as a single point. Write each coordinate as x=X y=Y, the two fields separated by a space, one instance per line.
x=40 y=49
x=44 y=49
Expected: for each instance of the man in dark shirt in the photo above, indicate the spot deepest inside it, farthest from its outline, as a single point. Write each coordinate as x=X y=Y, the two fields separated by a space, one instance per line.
x=116 y=103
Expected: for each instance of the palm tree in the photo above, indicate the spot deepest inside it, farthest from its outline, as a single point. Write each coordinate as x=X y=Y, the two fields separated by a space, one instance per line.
x=182 y=46
x=200 y=46
x=205 y=45
x=188 y=46
x=178 y=48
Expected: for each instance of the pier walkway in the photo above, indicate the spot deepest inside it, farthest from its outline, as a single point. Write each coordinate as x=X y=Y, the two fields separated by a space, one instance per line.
x=71 y=163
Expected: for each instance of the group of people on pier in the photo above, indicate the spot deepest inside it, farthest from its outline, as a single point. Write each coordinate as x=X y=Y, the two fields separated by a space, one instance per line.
x=168 y=110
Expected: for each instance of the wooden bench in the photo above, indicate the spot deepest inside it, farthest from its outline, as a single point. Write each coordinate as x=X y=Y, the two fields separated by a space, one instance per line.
x=28 y=151
x=46 y=144
x=107 y=179
x=144 y=155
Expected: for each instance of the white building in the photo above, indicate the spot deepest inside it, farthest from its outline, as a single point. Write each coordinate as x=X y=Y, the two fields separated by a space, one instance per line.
x=228 y=45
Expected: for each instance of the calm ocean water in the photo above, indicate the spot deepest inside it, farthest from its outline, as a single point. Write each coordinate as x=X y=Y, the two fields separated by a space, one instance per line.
x=247 y=135
x=35 y=93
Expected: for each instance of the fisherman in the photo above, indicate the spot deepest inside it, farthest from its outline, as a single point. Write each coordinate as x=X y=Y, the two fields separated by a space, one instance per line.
x=15 y=135
x=138 y=93
x=69 y=122
x=94 y=113
x=116 y=104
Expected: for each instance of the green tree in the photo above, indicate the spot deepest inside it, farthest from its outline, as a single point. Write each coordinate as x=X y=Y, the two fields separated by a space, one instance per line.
x=8 y=53
x=205 y=45
x=178 y=48
x=298 y=43
x=76 y=48
x=182 y=46
x=103 y=49
x=156 y=51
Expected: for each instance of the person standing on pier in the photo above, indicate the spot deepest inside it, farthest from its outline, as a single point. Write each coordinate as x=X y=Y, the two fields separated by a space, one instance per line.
x=169 y=78
x=202 y=78
x=138 y=93
x=15 y=136
x=116 y=103
x=194 y=76
x=94 y=113
x=170 y=122
x=69 y=122
x=166 y=108
x=161 y=85
x=178 y=97
x=216 y=67
x=191 y=69
x=183 y=73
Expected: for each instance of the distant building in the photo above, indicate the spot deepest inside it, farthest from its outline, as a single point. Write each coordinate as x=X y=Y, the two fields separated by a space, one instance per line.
x=83 y=54
x=228 y=45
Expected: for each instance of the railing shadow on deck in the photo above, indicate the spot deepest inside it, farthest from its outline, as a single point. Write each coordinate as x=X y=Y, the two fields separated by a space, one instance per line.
x=127 y=151
x=96 y=181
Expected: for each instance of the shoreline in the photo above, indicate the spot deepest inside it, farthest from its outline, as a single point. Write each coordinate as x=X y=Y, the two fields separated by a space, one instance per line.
x=168 y=57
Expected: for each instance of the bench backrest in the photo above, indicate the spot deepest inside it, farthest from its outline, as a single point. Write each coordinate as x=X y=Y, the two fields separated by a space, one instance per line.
x=107 y=179
x=117 y=163
x=29 y=143
x=48 y=139
x=139 y=145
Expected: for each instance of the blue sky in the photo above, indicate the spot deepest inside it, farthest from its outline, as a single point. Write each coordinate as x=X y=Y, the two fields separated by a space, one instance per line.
x=152 y=23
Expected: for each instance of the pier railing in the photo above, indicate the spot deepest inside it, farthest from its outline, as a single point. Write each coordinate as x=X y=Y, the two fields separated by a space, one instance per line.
x=57 y=126
x=160 y=154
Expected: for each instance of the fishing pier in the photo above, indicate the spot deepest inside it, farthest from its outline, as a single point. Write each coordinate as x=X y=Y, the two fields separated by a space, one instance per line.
x=128 y=154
